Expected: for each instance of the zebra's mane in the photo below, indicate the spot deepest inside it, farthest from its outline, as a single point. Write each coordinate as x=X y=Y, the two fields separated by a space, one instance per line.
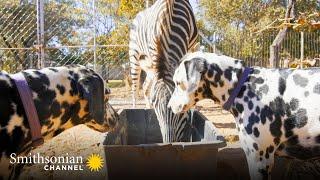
x=161 y=60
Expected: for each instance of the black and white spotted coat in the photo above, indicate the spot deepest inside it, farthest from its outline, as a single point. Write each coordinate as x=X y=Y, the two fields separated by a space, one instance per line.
x=64 y=97
x=277 y=111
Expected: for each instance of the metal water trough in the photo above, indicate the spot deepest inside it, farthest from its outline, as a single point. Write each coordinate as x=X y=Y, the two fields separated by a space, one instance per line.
x=135 y=149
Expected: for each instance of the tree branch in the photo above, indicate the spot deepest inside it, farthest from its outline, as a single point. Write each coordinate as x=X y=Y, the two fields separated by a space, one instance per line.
x=275 y=46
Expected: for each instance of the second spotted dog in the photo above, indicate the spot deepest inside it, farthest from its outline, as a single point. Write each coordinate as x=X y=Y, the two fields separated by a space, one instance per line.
x=277 y=111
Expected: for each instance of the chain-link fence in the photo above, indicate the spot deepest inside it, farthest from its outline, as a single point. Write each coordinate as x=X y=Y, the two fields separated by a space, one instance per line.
x=40 y=33
x=95 y=33
x=255 y=49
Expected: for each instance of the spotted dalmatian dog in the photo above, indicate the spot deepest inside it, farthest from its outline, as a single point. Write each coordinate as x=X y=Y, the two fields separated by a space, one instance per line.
x=64 y=97
x=277 y=111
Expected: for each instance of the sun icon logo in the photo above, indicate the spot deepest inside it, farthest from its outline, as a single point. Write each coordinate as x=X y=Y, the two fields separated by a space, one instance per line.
x=95 y=162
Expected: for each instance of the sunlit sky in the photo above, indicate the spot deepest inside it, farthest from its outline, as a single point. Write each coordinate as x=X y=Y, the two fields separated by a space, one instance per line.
x=194 y=4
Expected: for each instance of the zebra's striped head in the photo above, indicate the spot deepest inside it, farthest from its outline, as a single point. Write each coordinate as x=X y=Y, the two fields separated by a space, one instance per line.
x=203 y=76
x=172 y=125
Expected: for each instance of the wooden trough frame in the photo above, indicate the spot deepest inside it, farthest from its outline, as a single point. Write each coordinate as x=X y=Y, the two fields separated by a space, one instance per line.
x=135 y=150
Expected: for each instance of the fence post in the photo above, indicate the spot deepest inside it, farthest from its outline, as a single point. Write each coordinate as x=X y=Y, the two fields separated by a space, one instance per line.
x=214 y=44
x=301 y=49
x=94 y=37
x=40 y=33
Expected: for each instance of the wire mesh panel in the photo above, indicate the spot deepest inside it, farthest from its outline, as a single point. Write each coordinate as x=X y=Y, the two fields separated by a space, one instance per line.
x=88 y=32
x=18 y=23
x=69 y=32
x=15 y=60
x=75 y=31
x=95 y=33
x=255 y=50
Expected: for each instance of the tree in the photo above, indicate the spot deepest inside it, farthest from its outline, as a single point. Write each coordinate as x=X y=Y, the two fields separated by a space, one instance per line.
x=122 y=16
x=274 y=48
x=117 y=37
x=239 y=24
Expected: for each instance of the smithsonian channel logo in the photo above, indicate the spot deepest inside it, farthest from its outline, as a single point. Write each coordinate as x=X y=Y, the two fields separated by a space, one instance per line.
x=67 y=162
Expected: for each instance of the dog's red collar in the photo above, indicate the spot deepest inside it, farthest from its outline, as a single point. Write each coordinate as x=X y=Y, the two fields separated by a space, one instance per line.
x=29 y=108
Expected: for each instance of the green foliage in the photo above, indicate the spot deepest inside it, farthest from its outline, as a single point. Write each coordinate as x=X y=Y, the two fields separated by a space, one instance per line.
x=129 y=8
x=236 y=23
x=123 y=16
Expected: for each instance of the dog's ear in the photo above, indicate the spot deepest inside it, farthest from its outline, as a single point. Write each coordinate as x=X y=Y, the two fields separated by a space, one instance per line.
x=91 y=89
x=195 y=65
x=201 y=64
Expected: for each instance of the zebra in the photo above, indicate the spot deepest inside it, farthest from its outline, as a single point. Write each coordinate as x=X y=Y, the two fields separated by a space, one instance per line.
x=172 y=126
x=174 y=22
x=159 y=37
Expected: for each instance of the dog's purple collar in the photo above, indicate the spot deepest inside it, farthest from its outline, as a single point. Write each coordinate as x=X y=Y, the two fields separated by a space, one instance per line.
x=29 y=108
x=236 y=91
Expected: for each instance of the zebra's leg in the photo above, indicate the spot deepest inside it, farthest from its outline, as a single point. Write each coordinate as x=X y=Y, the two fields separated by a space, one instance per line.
x=146 y=90
x=135 y=71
